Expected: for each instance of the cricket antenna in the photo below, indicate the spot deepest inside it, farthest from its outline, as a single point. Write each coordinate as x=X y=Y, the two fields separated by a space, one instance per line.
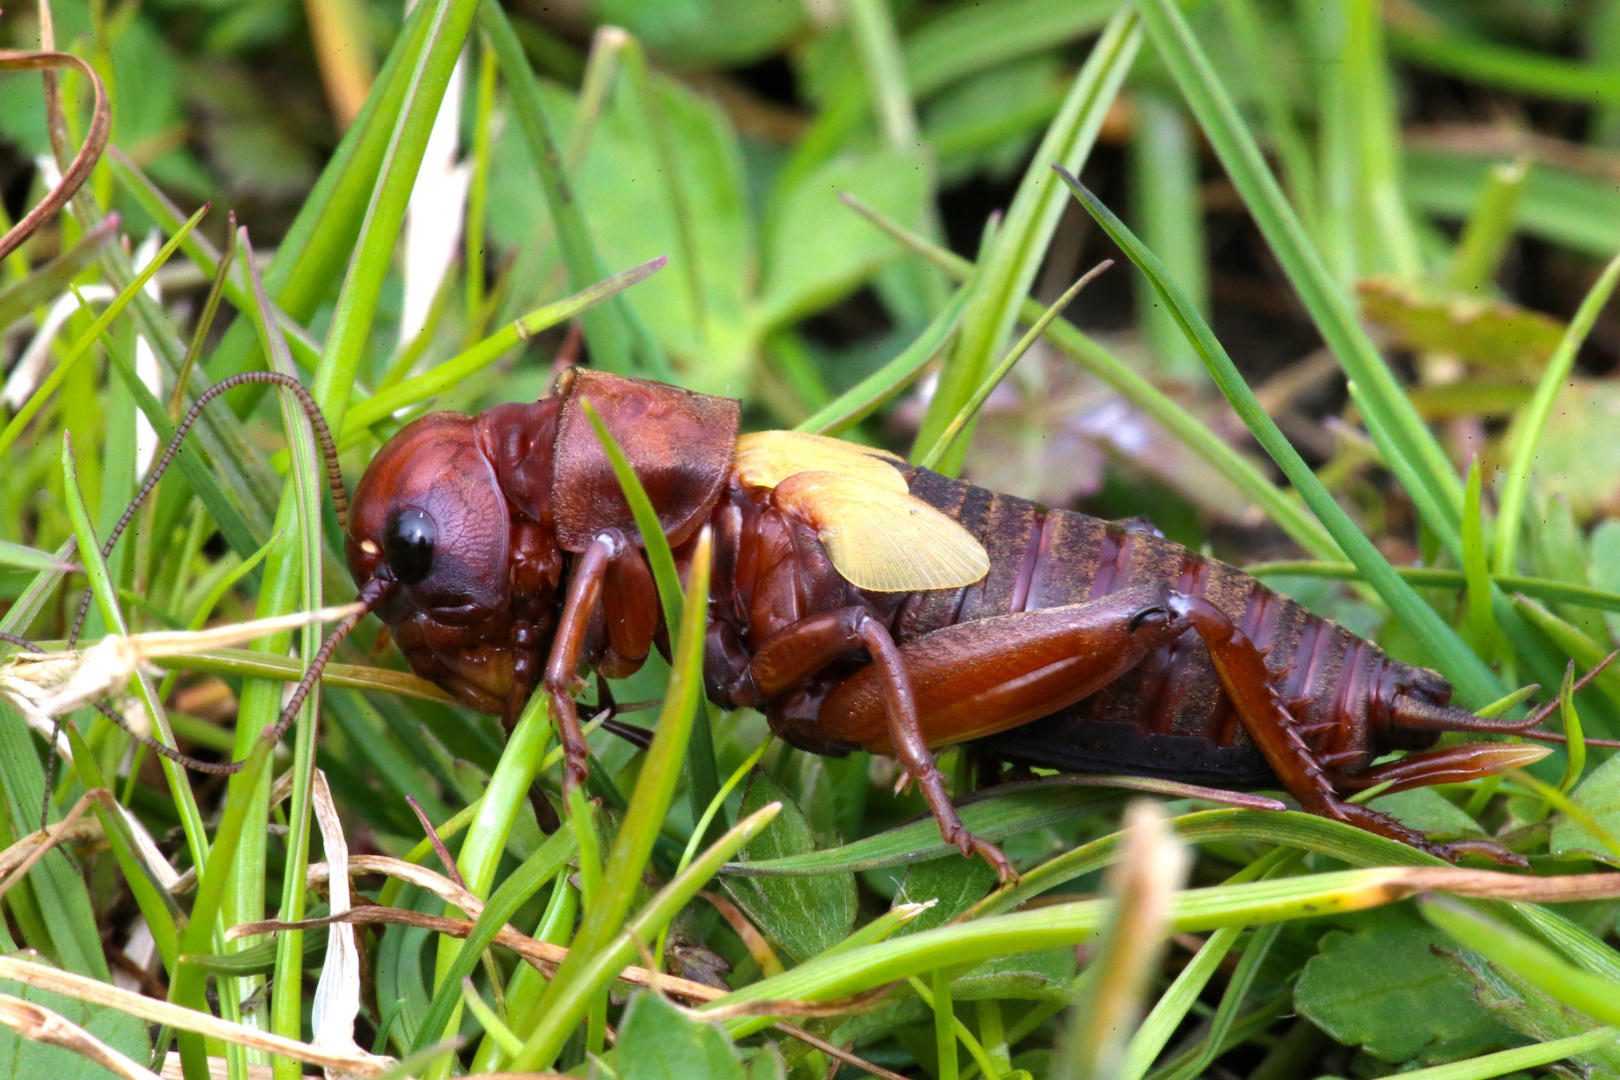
x=1412 y=713
x=371 y=594
x=334 y=475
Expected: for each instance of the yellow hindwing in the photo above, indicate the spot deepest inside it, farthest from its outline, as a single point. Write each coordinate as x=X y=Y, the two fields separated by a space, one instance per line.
x=880 y=539
x=766 y=458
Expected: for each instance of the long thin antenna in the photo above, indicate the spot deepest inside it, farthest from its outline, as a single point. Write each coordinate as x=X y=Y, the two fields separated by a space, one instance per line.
x=334 y=475
x=370 y=595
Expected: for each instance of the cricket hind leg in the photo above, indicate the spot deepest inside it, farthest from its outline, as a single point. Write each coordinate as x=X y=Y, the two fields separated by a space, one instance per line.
x=1243 y=674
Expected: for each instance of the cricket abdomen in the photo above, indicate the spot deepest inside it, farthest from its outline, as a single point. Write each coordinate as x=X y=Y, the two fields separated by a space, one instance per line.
x=1168 y=716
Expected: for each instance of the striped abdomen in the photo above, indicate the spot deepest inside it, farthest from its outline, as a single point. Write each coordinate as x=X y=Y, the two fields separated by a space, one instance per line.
x=1167 y=717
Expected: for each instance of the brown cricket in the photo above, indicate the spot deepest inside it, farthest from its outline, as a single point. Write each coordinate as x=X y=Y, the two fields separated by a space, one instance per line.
x=861 y=602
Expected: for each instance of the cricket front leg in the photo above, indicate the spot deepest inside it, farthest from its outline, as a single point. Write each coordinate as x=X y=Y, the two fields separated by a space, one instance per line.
x=610 y=559
x=1244 y=677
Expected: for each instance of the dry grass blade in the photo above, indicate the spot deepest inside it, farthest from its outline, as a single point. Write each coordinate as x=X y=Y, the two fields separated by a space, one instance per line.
x=218 y=1069
x=337 y=994
x=95 y=140
x=46 y=685
x=1143 y=884
x=39 y=1024
x=21 y=856
x=161 y=1012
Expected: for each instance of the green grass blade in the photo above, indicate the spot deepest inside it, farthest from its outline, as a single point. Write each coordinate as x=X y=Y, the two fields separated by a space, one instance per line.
x=1392 y=236
x=443 y=377
x=1475 y=558
x=1519 y=1060
x=1248 y=30
x=51 y=280
x=503 y=904
x=566 y=1009
x=1169 y=211
x=101 y=586
x=1490 y=227
x=1532 y=423
x=872 y=25
x=703 y=777
x=1547 y=589
x=1473 y=679
x=286 y=1003
x=872 y=392
x=1424 y=41
x=318 y=244
x=1326 y=301
x=617 y=339
x=1020 y=244
x=655 y=788
x=1536 y=964
x=928 y=458
x=81 y=348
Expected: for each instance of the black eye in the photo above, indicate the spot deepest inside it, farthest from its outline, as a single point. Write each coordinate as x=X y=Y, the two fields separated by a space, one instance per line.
x=408 y=543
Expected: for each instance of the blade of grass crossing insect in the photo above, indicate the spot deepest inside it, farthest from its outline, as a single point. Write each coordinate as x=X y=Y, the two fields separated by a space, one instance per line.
x=1280 y=506
x=287 y=982
x=655 y=788
x=455 y=964
x=81 y=348
x=617 y=339
x=101 y=585
x=1473 y=679
x=1020 y=245
x=444 y=376
x=929 y=458
x=1529 y=426
x=1326 y=301
x=703 y=774
x=565 y=1010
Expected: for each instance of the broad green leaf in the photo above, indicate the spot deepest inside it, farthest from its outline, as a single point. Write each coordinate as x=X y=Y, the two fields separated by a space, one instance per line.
x=1428 y=811
x=1381 y=987
x=702 y=32
x=1491 y=332
x=630 y=211
x=23 y=1059
x=1598 y=795
x=953 y=883
x=657 y=1041
x=1044 y=975
x=1578 y=456
x=804 y=915
x=816 y=251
